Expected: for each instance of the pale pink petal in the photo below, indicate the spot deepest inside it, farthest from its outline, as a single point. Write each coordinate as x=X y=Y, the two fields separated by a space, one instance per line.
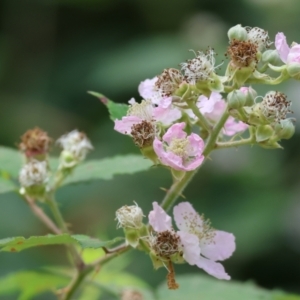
x=212 y=268
x=232 y=127
x=124 y=125
x=206 y=105
x=196 y=145
x=147 y=88
x=132 y=101
x=281 y=46
x=218 y=111
x=294 y=54
x=220 y=247
x=166 y=113
x=186 y=218
x=193 y=164
x=191 y=249
x=159 y=219
x=175 y=131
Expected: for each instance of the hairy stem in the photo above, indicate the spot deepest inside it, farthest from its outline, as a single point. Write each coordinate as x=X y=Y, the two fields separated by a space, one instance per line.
x=201 y=119
x=178 y=186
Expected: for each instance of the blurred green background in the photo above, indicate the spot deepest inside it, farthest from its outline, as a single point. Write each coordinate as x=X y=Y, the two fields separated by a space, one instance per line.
x=53 y=51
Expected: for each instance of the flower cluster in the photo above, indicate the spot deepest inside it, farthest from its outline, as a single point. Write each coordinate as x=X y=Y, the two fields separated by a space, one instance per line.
x=196 y=242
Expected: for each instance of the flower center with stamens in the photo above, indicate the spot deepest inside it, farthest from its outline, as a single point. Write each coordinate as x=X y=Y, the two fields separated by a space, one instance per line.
x=275 y=106
x=142 y=110
x=168 y=81
x=199 y=68
x=242 y=53
x=143 y=134
x=178 y=147
x=166 y=243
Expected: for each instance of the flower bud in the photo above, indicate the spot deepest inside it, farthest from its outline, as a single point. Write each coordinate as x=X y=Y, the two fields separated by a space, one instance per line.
x=237 y=33
x=285 y=129
x=293 y=70
x=35 y=144
x=250 y=95
x=75 y=146
x=236 y=99
x=271 y=57
x=33 y=178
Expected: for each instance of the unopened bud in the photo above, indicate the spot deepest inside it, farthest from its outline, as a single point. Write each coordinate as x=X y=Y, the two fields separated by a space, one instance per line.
x=285 y=129
x=250 y=95
x=293 y=70
x=271 y=57
x=237 y=33
x=236 y=99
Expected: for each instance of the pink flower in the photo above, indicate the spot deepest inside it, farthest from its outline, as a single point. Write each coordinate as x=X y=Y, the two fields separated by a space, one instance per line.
x=179 y=151
x=288 y=55
x=214 y=107
x=185 y=242
x=148 y=90
x=215 y=245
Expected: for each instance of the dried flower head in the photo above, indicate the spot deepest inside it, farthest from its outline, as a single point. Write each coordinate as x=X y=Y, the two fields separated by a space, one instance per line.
x=130 y=217
x=200 y=68
x=35 y=142
x=242 y=53
x=259 y=37
x=168 y=82
x=34 y=173
x=143 y=133
x=275 y=106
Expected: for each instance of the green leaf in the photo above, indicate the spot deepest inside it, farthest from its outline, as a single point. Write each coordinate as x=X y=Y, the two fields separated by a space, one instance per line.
x=116 y=110
x=195 y=287
x=16 y=244
x=108 y=167
x=6 y=185
x=10 y=161
x=30 y=283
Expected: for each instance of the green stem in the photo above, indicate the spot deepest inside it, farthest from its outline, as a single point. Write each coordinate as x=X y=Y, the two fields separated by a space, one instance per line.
x=178 y=186
x=57 y=214
x=174 y=192
x=247 y=141
x=201 y=119
x=81 y=275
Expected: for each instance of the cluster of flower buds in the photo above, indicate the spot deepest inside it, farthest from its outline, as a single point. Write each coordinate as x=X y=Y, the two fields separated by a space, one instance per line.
x=196 y=242
x=34 y=175
x=35 y=145
x=176 y=101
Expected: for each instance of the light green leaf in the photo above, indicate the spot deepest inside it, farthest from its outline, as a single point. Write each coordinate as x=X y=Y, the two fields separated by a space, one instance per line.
x=116 y=110
x=195 y=287
x=16 y=244
x=7 y=185
x=108 y=167
x=30 y=283
x=10 y=161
